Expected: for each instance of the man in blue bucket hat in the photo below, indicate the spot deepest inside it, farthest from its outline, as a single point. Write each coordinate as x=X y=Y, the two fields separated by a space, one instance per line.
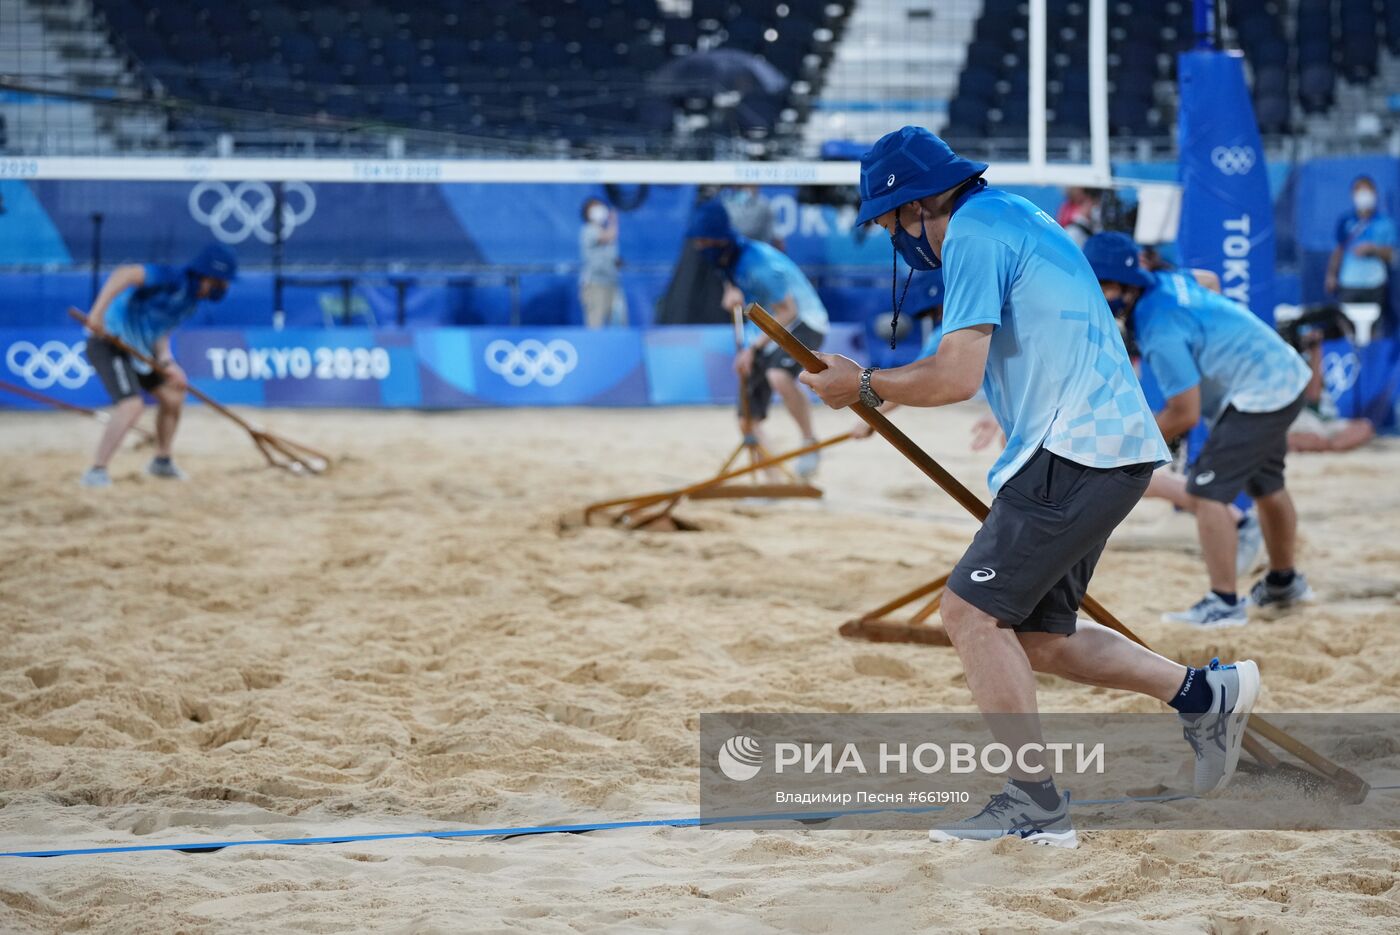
x=1023 y=318
x=1215 y=358
x=141 y=305
x=759 y=272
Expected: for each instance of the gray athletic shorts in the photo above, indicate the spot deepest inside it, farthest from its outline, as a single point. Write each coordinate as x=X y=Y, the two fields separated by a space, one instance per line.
x=1244 y=452
x=118 y=372
x=1030 y=563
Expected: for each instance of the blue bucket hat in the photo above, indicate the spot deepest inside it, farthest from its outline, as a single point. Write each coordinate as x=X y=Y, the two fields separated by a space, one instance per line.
x=711 y=221
x=907 y=165
x=215 y=262
x=1114 y=258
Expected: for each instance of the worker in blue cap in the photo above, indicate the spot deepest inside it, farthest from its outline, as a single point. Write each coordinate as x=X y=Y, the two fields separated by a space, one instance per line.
x=1215 y=358
x=141 y=305
x=1024 y=320
x=755 y=271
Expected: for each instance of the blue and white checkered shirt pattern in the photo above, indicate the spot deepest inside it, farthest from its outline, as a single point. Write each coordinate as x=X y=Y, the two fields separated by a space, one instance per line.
x=1058 y=375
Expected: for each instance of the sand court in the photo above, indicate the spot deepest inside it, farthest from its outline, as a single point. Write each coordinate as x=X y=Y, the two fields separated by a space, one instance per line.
x=411 y=643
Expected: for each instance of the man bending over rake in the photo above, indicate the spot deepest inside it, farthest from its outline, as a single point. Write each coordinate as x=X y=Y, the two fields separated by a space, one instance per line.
x=1024 y=318
x=141 y=306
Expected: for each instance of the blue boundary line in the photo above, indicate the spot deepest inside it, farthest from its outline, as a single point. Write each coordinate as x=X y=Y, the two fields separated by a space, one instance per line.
x=472 y=832
x=520 y=831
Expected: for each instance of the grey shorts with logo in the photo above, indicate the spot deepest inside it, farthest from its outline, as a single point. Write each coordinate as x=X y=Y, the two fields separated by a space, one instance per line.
x=1245 y=451
x=1030 y=563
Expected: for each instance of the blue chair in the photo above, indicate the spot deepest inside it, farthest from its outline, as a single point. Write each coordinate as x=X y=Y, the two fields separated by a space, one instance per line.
x=1315 y=85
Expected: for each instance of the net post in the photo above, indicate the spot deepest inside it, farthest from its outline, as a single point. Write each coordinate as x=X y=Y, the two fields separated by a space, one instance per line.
x=1098 y=88
x=1036 y=85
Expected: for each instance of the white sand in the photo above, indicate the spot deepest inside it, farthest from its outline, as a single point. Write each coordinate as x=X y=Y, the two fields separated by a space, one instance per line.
x=411 y=643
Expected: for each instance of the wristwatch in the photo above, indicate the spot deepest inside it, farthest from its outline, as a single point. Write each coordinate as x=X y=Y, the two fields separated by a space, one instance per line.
x=868 y=396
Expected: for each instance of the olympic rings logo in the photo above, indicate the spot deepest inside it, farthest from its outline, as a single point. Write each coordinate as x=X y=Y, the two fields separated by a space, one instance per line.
x=1340 y=372
x=235 y=214
x=532 y=361
x=1233 y=160
x=52 y=362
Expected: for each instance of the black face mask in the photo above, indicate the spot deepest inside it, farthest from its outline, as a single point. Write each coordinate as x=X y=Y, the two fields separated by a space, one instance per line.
x=217 y=290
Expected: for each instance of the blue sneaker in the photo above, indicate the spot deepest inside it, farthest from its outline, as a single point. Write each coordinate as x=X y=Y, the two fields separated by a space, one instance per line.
x=1211 y=612
x=1215 y=736
x=1012 y=813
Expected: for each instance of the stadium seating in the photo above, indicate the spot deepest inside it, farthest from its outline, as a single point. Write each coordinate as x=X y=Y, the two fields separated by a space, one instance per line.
x=577 y=70
x=1332 y=39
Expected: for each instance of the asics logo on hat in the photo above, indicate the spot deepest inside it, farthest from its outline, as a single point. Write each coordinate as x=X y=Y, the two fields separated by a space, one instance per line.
x=889 y=181
x=982 y=574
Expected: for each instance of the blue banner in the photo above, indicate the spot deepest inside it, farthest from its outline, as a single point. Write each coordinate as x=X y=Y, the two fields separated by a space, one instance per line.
x=1227 y=220
x=427 y=368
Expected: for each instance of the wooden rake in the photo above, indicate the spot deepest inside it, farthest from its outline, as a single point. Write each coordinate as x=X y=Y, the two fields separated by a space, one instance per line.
x=1348 y=786
x=279 y=452
x=656 y=511
x=95 y=414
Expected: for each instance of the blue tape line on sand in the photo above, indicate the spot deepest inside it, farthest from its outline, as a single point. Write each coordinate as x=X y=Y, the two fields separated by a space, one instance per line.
x=204 y=846
x=473 y=832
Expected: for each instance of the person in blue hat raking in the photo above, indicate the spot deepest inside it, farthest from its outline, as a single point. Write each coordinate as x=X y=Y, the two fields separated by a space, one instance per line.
x=141 y=305
x=1215 y=358
x=1024 y=320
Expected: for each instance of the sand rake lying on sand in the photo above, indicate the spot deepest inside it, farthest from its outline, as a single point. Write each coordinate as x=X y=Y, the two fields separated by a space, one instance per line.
x=656 y=511
x=278 y=451
x=874 y=626
x=96 y=414
x=1345 y=784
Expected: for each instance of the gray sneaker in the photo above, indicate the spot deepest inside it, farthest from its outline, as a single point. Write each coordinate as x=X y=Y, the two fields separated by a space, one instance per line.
x=1251 y=544
x=1013 y=814
x=1211 y=612
x=164 y=467
x=1268 y=597
x=1215 y=736
x=807 y=464
x=95 y=477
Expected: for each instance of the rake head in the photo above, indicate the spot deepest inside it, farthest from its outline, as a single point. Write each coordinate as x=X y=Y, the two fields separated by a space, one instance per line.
x=290 y=456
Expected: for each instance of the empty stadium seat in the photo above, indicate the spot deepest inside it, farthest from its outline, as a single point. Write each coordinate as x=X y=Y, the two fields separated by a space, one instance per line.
x=582 y=65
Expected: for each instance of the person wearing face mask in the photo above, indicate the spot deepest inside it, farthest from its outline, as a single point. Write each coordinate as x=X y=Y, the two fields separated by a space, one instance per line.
x=1359 y=268
x=758 y=272
x=141 y=306
x=1215 y=358
x=1023 y=318
x=599 y=291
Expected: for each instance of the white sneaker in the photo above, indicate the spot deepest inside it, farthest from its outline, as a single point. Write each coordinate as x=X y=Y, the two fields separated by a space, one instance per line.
x=1217 y=735
x=807 y=464
x=95 y=477
x=1250 y=550
x=1210 y=611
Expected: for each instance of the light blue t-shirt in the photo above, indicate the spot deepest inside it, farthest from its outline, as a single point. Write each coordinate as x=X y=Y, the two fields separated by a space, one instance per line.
x=766 y=275
x=1364 y=272
x=1192 y=336
x=140 y=317
x=1058 y=376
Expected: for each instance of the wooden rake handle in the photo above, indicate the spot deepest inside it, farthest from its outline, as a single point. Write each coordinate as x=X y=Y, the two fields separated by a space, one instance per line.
x=40 y=398
x=1353 y=785
x=261 y=439
x=150 y=362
